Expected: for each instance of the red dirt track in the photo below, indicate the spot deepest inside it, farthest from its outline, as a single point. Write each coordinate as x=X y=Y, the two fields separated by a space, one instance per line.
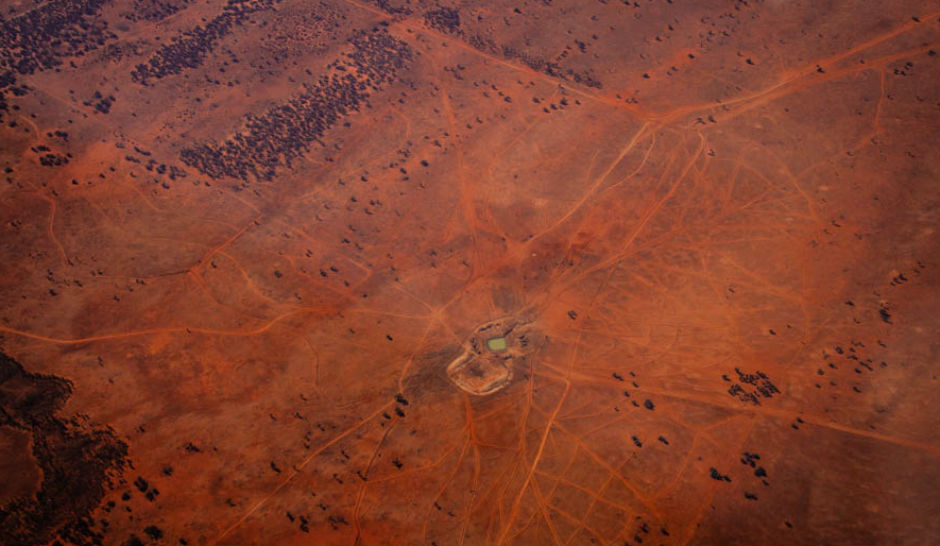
x=253 y=250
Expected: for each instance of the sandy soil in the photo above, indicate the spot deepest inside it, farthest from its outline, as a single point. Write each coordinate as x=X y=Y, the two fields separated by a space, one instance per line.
x=243 y=241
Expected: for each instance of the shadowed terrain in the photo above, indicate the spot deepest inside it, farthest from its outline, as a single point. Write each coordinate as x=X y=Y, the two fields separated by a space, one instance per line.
x=461 y=273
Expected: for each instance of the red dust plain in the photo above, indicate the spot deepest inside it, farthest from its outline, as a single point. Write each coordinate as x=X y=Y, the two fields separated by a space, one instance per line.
x=255 y=255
